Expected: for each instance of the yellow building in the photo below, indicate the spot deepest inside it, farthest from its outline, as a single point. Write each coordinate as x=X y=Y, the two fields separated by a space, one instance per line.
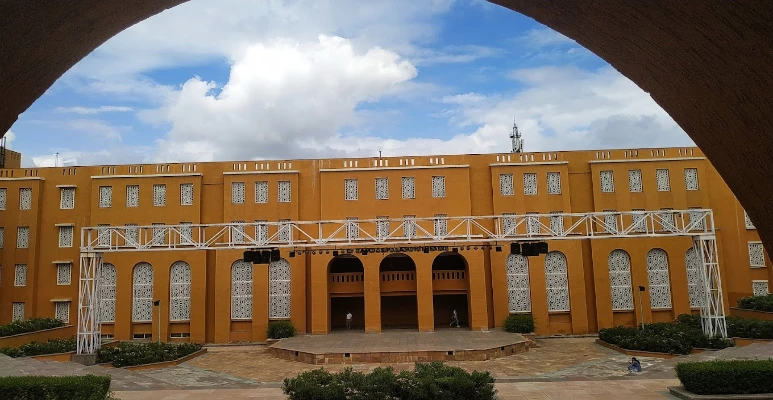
x=214 y=296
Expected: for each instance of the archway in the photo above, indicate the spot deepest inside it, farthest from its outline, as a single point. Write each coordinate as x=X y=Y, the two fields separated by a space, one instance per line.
x=399 y=307
x=346 y=282
x=450 y=289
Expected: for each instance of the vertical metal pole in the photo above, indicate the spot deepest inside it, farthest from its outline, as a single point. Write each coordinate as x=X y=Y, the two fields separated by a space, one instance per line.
x=641 y=307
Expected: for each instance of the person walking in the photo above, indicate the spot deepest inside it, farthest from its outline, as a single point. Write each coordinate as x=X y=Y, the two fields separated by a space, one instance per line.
x=348 y=320
x=455 y=319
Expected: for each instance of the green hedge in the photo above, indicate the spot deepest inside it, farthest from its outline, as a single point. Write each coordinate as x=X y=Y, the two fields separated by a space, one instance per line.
x=758 y=303
x=29 y=325
x=519 y=323
x=89 y=387
x=727 y=377
x=425 y=382
x=129 y=354
x=53 y=346
x=280 y=330
x=736 y=326
x=678 y=337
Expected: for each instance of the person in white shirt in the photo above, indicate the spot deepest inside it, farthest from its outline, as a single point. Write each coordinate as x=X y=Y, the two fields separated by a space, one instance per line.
x=349 y=320
x=454 y=319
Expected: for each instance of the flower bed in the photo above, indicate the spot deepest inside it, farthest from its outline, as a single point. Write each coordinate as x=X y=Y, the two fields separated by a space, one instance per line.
x=757 y=303
x=89 y=387
x=727 y=377
x=52 y=346
x=29 y=325
x=131 y=354
x=426 y=381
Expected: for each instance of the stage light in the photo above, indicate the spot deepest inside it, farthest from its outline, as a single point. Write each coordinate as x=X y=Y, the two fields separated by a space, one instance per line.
x=335 y=253
x=426 y=250
x=455 y=250
x=364 y=252
x=499 y=249
x=515 y=248
x=275 y=255
x=292 y=254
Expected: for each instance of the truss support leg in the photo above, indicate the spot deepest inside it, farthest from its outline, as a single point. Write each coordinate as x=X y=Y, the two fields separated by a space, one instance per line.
x=89 y=332
x=713 y=305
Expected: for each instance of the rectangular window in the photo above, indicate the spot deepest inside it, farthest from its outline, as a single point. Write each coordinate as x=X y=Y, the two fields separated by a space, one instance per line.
x=382 y=226
x=506 y=185
x=554 y=183
x=634 y=181
x=441 y=224
x=350 y=189
x=756 y=255
x=130 y=233
x=285 y=192
x=382 y=188
x=530 y=184
x=65 y=236
x=663 y=180
x=3 y=198
x=667 y=219
x=749 y=223
x=610 y=222
x=2 y=237
x=106 y=197
x=409 y=187
x=352 y=228
x=508 y=224
x=409 y=226
x=159 y=195
x=67 y=198
x=237 y=192
x=23 y=237
x=186 y=194
x=532 y=224
x=62 y=311
x=63 y=273
x=18 y=311
x=261 y=231
x=132 y=196
x=238 y=231
x=103 y=235
x=696 y=217
x=159 y=233
x=691 y=178
x=186 y=232
x=639 y=220
x=20 y=276
x=557 y=223
x=607 y=182
x=438 y=186
x=261 y=192
x=284 y=230
x=760 y=288
x=25 y=199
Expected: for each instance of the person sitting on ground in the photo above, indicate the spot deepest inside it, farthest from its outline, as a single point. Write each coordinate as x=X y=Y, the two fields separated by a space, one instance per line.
x=634 y=365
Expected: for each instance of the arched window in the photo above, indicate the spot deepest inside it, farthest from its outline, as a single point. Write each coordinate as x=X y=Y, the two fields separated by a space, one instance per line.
x=620 y=280
x=180 y=292
x=142 y=291
x=279 y=289
x=696 y=287
x=660 y=284
x=107 y=281
x=241 y=290
x=557 y=281
x=518 y=289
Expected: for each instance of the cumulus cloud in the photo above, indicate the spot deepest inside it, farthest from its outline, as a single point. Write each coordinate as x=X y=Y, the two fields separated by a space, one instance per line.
x=93 y=110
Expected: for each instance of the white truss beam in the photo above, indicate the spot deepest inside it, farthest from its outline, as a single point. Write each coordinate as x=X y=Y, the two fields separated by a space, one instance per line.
x=89 y=335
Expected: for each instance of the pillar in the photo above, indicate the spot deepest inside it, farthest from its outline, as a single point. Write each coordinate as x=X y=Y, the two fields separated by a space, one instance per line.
x=372 y=294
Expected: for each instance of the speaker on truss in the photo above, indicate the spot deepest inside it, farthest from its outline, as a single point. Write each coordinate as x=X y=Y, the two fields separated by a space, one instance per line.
x=265 y=257
x=528 y=250
x=542 y=247
x=251 y=256
x=515 y=248
x=275 y=255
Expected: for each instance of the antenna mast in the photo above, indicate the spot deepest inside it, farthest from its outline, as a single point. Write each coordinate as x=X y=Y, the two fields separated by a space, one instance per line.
x=515 y=138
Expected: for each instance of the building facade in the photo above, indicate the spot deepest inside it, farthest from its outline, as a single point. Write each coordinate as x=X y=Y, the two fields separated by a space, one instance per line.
x=580 y=286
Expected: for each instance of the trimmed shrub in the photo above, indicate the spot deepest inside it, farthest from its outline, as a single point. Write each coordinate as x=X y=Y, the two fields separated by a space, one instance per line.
x=425 y=382
x=29 y=325
x=280 y=330
x=52 y=346
x=673 y=338
x=129 y=354
x=89 y=387
x=519 y=323
x=757 y=303
x=727 y=377
x=749 y=328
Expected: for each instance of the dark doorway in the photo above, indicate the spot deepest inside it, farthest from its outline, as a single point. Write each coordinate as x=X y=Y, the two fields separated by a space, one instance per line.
x=399 y=312
x=340 y=306
x=444 y=306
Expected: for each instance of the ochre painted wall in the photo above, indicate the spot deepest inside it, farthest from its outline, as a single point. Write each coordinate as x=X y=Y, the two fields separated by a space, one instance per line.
x=317 y=192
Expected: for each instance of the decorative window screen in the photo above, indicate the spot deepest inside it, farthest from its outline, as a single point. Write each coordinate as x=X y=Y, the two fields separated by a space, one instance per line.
x=159 y=195
x=382 y=226
x=18 y=312
x=261 y=230
x=691 y=178
x=107 y=293
x=65 y=236
x=382 y=188
x=620 y=280
x=756 y=255
x=2 y=237
x=284 y=192
x=180 y=292
x=279 y=289
x=130 y=232
x=106 y=196
x=285 y=230
x=159 y=233
x=352 y=228
x=238 y=232
x=103 y=235
x=186 y=232
x=659 y=280
x=132 y=196
x=62 y=311
x=556 y=222
x=409 y=187
x=441 y=224
x=25 y=198
x=3 y=198
x=237 y=192
x=557 y=281
x=759 y=288
x=409 y=226
x=663 y=180
x=696 y=287
x=142 y=293
x=532 y=224
x=186 y=194
x=529 y=184
x=63 y=273
x=508 y=223
x=639 y=221
x=20 y=276
x=634 y=181
x=607 y=182
x=23 y=237
x=67 y=198
x=261 y=192
x=554 y=183
x=350 y=189
x=518 y=289
x=241 y=290
x=667 y=219
x=749 y=223
x=438 y=186
x=696 y=217
x=610 y=222
x=506 y=185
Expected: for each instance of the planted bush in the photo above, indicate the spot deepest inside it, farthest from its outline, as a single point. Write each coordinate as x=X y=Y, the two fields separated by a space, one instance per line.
x=519 y=323
x=758 y=303
x=52 y=346
x=88 y=387
x=129 y=354
x=426 y=381
x=280 y=330
x=29 y=325
x=727 y=377
x=673 y=338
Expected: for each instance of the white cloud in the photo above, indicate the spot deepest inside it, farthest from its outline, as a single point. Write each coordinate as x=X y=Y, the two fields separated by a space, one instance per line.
x=543 y=37
x=93 y=110
x=96 y=128
x=9 y=138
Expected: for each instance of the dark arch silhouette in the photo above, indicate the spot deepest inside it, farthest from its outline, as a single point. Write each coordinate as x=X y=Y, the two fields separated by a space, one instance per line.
x=707 y=63
x=397 y=262
x=444 y=302
x=345 y=263
x=339 y=306
x=399 y=309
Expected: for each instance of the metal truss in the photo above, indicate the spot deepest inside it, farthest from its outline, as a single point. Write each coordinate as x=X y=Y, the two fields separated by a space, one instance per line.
x=379 y=233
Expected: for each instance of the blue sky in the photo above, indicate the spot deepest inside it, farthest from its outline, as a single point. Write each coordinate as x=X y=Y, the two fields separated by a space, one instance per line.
x=229 y=79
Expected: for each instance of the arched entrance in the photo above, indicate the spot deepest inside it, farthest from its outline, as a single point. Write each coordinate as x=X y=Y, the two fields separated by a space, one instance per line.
x=450 y=288
x=399 y=308
x=346 y=281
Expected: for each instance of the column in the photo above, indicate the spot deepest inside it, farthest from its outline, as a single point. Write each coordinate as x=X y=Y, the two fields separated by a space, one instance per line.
x=372 y=293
